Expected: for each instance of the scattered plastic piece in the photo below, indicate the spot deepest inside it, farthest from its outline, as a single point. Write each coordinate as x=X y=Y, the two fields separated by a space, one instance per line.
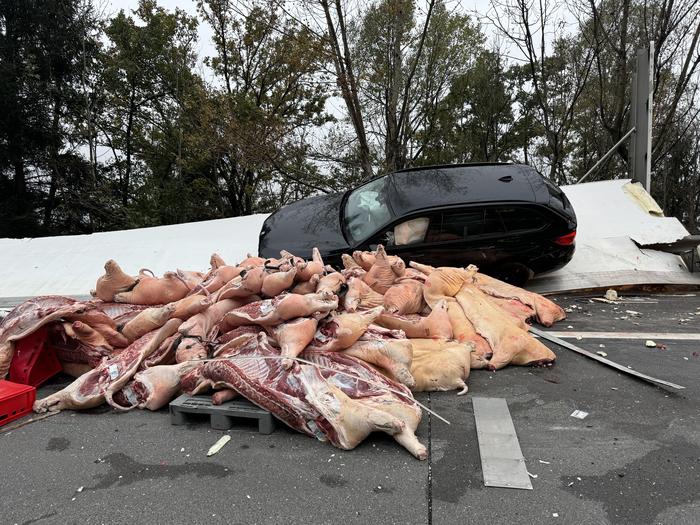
x=544 y=462
x=555 y=514
x=601 y=346
x=613 y=388
x=533 y=476
x=611 y=295
x=80 y=489
x=602 y=353
x=218 y=445
x=182 y=449
x=579 y=414
x=632 y=312
x=650 y=344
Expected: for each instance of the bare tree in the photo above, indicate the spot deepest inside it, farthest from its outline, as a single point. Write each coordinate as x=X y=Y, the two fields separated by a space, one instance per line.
x=557 y=69
x=615 y=31
x=339 y=43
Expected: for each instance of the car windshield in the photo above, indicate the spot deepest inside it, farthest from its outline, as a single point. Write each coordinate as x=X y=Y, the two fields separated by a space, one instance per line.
x=367 y=210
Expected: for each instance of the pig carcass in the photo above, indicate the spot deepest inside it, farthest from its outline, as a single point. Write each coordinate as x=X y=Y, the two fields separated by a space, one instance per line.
x=342 y=400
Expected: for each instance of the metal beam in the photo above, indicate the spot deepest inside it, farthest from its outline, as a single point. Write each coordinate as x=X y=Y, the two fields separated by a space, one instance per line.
x=601 y=359
x=502 y=461
x=605 y=157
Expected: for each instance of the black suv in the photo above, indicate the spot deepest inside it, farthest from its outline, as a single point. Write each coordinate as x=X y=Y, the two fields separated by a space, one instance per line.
x=505 y=218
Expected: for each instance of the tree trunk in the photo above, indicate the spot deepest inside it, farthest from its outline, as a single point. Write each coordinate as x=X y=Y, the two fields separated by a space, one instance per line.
x=129 y=126
x=346 y=81
x=391 y=145
x=53 y=160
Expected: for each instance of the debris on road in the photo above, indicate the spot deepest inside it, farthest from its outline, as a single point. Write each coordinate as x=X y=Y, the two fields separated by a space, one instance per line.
x=218 y=445
x=592 y=355
x=600 y=352
x=650 y=344
x=611 y=295
x=502 y=461
x=579 y=414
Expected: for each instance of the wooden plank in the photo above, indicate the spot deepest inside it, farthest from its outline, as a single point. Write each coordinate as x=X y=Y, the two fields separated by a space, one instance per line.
x=502 y=461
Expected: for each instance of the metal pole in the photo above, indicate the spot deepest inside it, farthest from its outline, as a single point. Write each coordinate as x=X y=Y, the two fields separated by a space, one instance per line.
x=643 y=115
x=605 y=157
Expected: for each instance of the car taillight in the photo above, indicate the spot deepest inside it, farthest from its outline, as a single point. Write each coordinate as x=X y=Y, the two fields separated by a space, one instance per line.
x=566 y=240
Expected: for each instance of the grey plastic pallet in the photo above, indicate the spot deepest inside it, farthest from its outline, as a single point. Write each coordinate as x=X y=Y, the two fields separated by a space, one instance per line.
x=185 y=408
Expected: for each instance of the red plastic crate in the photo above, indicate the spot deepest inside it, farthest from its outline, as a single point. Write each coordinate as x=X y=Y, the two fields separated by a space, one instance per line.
x=15 y=400
x=34 y=360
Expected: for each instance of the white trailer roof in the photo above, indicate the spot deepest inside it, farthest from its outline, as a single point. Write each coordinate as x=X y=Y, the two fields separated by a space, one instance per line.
x=70 y=265
x=616 y=219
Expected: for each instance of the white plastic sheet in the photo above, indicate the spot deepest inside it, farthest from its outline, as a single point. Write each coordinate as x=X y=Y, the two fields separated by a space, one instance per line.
x=70 y=265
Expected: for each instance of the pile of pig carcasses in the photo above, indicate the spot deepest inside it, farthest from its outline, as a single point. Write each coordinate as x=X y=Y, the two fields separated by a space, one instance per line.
x=333 y=354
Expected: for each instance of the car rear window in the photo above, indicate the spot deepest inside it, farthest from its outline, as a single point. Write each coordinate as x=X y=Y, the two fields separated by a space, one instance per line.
x=556 y=194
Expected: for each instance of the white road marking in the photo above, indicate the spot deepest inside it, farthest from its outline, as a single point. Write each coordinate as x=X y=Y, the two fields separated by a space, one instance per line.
x=668 y=336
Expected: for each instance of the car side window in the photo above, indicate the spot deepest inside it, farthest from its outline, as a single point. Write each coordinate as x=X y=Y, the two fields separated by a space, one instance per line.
x=465 y=224
x=519 y=219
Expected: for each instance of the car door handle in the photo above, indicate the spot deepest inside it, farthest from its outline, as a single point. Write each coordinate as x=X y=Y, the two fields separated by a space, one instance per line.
x=506 y=178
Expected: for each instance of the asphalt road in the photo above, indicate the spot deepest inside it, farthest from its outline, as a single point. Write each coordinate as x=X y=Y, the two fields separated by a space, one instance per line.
x=635 y=459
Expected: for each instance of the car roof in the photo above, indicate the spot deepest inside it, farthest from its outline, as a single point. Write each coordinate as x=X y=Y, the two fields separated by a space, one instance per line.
x=416 y=189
